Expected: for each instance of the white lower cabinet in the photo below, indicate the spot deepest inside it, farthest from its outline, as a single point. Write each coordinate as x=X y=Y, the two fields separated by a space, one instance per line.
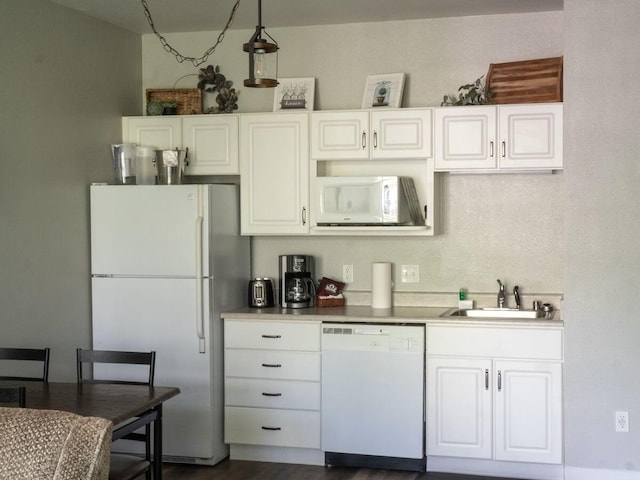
x=496 y=393
x=272 y=383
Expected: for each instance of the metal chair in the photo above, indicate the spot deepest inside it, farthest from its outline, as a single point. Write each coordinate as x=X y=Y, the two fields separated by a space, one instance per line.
x=13 y=397
x=123 y=466
x=30 y=355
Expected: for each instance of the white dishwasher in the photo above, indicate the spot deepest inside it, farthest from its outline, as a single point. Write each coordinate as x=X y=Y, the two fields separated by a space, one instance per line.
x=373 y=395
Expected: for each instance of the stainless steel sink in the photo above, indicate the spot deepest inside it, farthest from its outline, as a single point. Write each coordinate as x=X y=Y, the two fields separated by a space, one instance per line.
x=498 y=313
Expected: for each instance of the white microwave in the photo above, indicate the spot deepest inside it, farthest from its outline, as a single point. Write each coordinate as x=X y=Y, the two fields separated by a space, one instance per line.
x=367 y=201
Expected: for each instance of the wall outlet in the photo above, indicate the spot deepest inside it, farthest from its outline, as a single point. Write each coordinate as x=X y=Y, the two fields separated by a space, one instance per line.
x=410 y=273
x=347 y=273
x=622 y=421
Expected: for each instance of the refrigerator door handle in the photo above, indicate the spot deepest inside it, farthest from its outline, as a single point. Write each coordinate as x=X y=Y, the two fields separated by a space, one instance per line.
x=200 y=285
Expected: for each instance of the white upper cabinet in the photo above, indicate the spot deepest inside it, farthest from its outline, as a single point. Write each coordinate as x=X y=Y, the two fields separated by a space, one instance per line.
x=371 y=134
x=212 y=140
x=340 y=135
x=162 y=132
x=274 y=174
x=530 y=136
x=499 y=138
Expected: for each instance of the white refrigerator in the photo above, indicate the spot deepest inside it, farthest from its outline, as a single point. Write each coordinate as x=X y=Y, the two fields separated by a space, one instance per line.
x=165 y=261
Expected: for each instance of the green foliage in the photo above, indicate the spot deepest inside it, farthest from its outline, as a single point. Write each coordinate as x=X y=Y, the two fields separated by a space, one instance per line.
x=211 y=80
x=474 y=93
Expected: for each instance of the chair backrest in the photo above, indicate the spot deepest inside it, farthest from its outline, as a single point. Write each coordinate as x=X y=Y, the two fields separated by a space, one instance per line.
x=13 y=397
x=92 y=357
x=53 y=444
x=30 y=355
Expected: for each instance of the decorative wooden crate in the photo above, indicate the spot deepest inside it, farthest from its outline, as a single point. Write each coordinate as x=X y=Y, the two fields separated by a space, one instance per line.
x=528 y=81
x=188 y=100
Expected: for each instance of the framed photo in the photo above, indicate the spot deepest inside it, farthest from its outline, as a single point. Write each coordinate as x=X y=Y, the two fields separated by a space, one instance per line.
x=294 y=94
x=383 y=91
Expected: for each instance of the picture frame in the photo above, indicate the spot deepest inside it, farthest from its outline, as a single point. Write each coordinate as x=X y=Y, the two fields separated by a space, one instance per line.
x=294 y=95
x=383 y=91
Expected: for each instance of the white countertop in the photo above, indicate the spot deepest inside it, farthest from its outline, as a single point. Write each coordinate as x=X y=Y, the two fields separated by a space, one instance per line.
x=356 y=314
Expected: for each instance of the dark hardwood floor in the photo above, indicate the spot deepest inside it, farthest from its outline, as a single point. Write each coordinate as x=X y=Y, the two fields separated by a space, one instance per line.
x=242 y=470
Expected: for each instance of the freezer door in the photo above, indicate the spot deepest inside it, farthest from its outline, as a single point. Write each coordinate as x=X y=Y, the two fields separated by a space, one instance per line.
x=154 y=230
x=159 y=314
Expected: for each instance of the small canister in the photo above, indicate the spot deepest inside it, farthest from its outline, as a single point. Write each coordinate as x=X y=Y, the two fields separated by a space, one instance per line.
x=124 y=163
x=170 y=165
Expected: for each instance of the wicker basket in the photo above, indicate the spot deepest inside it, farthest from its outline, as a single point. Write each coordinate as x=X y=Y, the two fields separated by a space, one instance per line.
x=528 y=81
x=188 y=100
x=329 y=302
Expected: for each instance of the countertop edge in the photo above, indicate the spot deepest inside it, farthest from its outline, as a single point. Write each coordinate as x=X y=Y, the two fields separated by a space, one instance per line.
x=366 y=314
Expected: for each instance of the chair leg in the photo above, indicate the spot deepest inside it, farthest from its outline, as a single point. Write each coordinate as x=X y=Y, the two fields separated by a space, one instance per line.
x=147 y=450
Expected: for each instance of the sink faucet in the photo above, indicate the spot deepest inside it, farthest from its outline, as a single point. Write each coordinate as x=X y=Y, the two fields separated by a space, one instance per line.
x=501 y=295
x=516 y=295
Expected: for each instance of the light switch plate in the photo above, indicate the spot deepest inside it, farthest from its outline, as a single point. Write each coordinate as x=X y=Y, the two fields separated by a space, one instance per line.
x=410 y=273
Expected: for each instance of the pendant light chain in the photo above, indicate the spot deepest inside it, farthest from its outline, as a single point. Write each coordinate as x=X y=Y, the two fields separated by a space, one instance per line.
x=179 y=57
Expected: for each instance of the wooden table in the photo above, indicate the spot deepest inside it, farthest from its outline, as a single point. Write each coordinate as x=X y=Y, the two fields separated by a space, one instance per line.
x=127 y=406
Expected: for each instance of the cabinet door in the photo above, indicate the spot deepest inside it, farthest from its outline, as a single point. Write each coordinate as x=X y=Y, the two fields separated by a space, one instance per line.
x=528 y=409
x=531 y=136
x=340 y=135
x=274 y=174
x=212 y=141
x=459 y=400
x=465 y=138
x=401 y=134
x=162 y=132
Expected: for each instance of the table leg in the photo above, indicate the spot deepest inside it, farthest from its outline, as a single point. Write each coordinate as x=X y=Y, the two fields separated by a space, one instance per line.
x=157 y=444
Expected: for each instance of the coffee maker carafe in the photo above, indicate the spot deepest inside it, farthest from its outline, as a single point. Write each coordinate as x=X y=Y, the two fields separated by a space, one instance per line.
x=297 y=288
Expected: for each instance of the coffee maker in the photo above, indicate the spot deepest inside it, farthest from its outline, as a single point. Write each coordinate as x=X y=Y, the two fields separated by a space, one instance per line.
x=297 y=287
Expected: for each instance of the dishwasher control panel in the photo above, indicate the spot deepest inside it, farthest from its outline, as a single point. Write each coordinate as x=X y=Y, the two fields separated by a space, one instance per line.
x=373 y=337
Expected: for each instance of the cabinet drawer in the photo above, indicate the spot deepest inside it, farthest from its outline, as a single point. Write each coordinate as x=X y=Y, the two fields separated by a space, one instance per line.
x=527 y=343
x=272 y=365
x=272 y=393
x=260 y=426
x=272 y=335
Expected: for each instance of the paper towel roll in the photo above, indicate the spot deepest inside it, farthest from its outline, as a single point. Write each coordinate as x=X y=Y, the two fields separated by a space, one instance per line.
x=381 y=285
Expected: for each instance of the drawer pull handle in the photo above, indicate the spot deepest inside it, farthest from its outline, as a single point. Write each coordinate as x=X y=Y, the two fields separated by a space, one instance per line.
x=499 y=381
x=486 y=379
x=271 y=336
x=273 y=429
x=266 y=394
x=272 y=365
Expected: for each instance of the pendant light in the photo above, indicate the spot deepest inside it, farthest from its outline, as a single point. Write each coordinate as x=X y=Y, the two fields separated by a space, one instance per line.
x=261 y=64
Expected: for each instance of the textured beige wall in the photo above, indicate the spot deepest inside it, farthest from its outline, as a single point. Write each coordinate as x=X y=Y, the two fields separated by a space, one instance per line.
x=508 y=227
x=602 y=183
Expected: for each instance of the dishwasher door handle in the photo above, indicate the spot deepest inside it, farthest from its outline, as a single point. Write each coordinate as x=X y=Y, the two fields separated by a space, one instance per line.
x=368 y=331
